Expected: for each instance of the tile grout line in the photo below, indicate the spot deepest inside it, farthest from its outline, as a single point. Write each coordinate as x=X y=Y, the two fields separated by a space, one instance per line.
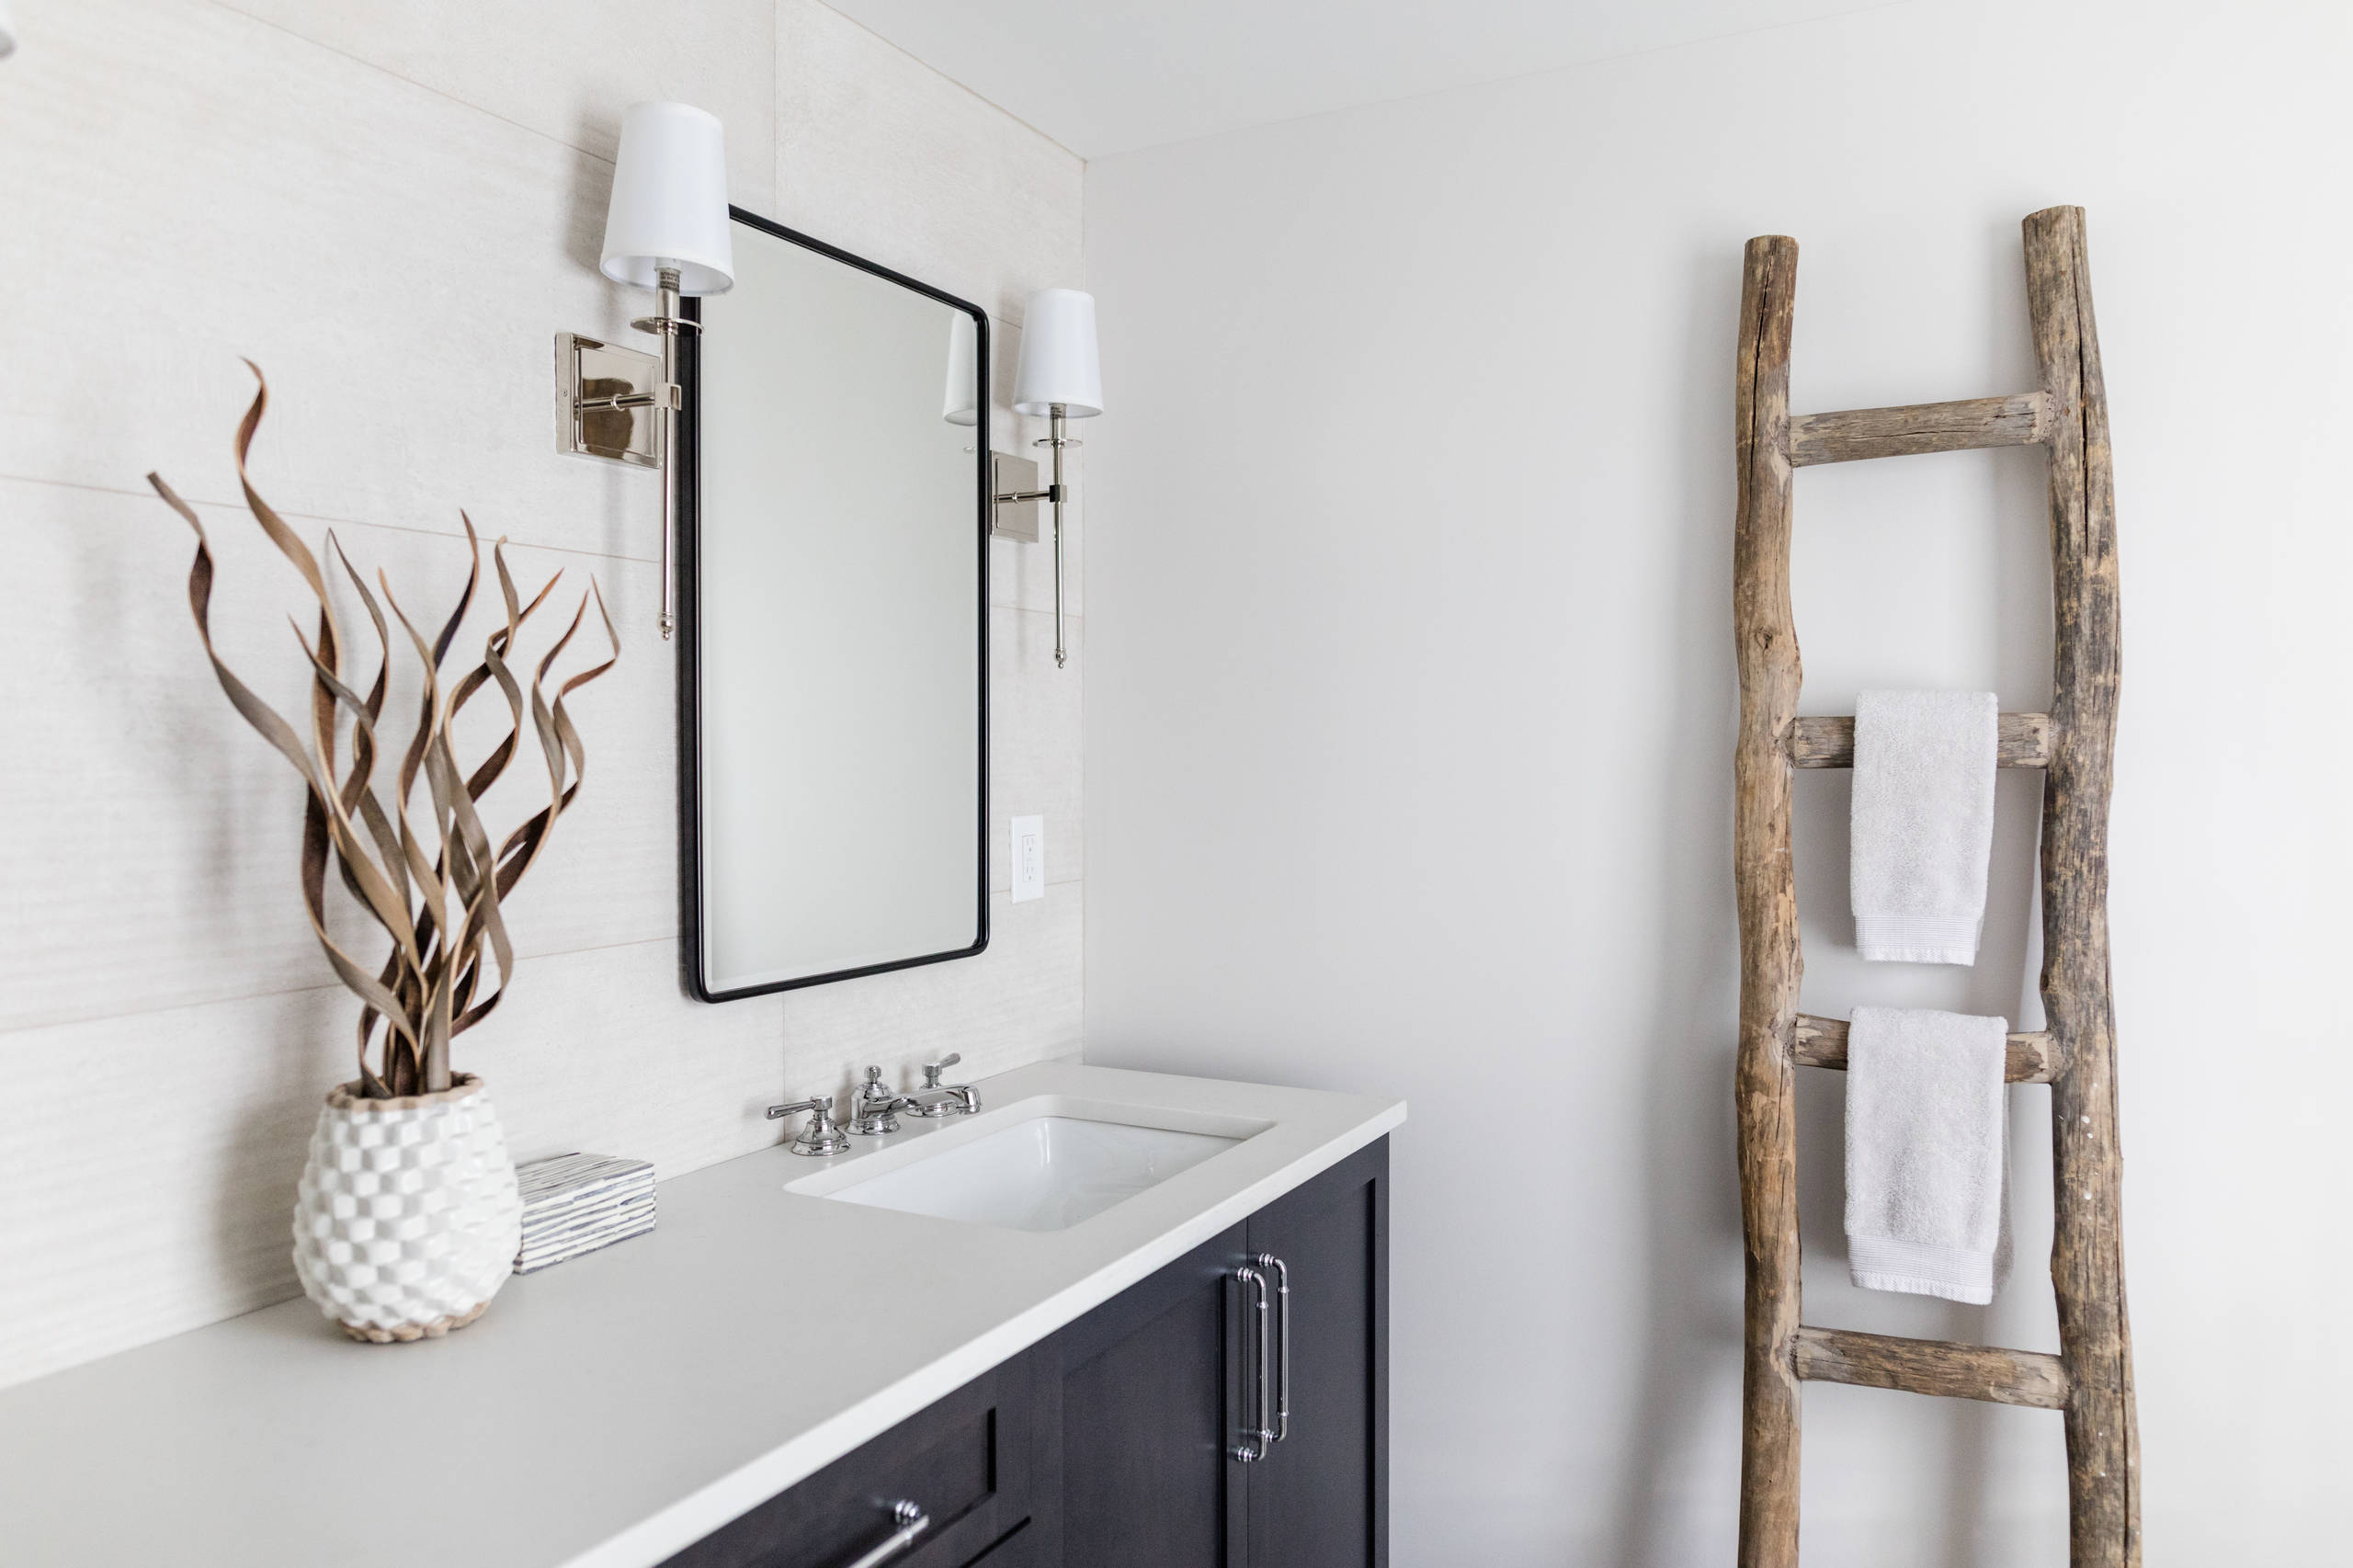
x=332 y=522
x=674 y=936
x=6 y=1029
x=442 y=94
x=1025 y=609
x=343 y=522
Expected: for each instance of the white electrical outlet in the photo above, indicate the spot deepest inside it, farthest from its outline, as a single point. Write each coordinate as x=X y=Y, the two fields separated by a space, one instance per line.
x=1028 y=858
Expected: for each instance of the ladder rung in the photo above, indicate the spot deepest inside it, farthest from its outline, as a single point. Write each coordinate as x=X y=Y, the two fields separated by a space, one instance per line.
x=1858 y=433
x=1828 y=741
x=1822 y=1042
x=1932 y=1367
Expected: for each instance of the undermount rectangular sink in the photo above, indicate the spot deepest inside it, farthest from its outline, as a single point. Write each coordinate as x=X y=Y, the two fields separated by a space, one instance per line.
x=1045 y=1170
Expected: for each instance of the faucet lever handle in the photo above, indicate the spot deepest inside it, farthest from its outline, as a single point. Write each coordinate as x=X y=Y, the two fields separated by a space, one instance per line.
x=932 y=1070
x=819 y=1136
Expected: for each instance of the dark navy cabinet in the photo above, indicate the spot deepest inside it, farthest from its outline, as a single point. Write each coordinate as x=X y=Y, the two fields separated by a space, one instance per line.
x=1179 y=1424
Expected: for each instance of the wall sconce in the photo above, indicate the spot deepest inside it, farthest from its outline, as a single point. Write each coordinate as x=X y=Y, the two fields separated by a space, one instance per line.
x=7 y=32
x=665 y=229
x=1060 y=376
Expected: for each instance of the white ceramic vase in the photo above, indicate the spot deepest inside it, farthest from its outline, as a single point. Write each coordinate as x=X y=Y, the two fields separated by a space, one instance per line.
x=408 y=1218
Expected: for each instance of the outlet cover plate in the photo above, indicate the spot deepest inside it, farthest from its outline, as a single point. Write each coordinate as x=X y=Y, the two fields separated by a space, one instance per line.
x=1028 y=862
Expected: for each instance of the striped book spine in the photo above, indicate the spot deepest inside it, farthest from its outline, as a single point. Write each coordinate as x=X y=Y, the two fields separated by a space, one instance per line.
x=576 y=1203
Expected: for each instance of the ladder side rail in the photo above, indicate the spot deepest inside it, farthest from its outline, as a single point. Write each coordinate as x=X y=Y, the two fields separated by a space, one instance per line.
x=2086 y=1261
x=1770 y=963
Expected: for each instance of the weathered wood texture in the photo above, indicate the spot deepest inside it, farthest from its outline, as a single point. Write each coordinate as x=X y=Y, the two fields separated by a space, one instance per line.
x=2091 y=1380
x=1859 y=432
x=1822 y=1042
x=1932 y=1367
x=2087 y=1247
x=1764 y=632
x=1822 y=741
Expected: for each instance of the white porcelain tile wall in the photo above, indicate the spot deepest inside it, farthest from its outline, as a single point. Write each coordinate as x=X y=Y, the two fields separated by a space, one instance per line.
x=1033 y=723
x=213 y=186
x=157 y=802
x=149 y=1164
x=379 y=203
x=1017 y=1002
x=566 y=71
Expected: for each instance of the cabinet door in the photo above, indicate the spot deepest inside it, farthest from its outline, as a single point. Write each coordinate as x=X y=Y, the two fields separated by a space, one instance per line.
x=1149 y=1385
x=1321 y=1497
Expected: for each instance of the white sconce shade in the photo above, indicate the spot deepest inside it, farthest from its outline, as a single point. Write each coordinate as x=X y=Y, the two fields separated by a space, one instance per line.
x=7 y=32
x=669 y=205
x=1059 y=363
x=962 y=404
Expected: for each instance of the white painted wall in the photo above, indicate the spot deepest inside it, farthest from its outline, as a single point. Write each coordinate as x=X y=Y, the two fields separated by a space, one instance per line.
x=1409 y=736
x=393 y=208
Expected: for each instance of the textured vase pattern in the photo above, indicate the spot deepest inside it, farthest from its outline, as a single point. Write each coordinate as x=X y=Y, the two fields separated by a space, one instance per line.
x=408 y=1217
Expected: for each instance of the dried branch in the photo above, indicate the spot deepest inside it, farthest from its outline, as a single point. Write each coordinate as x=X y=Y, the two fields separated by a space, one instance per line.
x=434 y=890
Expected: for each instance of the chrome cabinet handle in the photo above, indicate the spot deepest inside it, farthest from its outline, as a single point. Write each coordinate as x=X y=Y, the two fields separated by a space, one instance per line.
x=1283 y=1363
x=911 y=1522
x=1257 y=1438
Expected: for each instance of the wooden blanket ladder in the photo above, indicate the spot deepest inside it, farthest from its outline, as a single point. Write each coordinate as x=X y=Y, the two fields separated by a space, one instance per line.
x=2090 y=1380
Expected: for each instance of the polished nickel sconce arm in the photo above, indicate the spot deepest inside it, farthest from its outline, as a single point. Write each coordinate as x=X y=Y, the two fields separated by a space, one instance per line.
x=1058 y=441
x=1060 y=376
x=666 y=324
x=1053 y=495
x=661 y=395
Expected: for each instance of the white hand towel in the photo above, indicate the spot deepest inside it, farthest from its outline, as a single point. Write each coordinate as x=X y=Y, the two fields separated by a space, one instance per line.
x=1923 y=822
x=1927 y=1125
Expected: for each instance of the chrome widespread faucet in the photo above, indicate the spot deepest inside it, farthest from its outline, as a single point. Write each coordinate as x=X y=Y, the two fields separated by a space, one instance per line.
x=936 y=1099
x=876 y=1109
x=819 y=1136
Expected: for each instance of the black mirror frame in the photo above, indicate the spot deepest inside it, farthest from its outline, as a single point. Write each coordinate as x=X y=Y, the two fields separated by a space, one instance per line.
x=686 y=466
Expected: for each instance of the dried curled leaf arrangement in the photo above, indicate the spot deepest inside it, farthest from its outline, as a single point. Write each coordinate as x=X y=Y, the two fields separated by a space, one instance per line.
x=435 y=888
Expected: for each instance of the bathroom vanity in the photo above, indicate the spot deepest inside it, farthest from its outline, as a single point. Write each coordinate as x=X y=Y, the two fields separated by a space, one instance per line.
x=941 y=1349
x=1208 y=1415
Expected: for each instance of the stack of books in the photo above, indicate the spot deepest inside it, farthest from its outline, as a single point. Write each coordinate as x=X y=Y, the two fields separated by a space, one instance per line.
x=576 y=1203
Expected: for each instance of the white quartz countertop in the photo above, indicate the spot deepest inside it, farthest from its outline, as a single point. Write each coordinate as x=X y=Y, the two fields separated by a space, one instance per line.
x=610 y=1410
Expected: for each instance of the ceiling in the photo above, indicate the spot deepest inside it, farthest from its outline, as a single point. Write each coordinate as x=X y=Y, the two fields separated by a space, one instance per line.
x=1105 y=76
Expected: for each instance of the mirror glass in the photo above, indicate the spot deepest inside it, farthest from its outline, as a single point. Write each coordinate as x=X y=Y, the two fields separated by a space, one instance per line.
x=833 y=554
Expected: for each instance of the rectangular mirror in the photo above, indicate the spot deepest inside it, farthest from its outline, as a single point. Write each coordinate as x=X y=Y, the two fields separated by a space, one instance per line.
x=833 y=562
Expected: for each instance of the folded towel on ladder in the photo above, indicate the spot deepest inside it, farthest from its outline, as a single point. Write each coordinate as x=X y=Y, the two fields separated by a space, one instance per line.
x=1923 y=822
x=1927 y=1125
